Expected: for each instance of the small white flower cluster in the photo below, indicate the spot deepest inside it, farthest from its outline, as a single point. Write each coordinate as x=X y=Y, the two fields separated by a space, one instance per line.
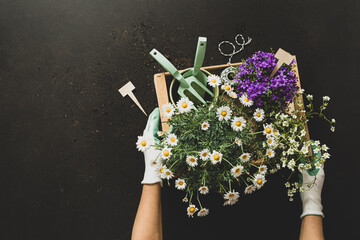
x=292 y=189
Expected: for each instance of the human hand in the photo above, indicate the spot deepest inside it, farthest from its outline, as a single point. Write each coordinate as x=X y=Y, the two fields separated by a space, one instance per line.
x=152 y=156
x=311 y=198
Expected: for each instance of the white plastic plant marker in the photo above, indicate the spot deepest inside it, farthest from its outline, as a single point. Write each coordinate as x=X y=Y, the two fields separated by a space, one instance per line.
x=283 y=57
x=126 y=90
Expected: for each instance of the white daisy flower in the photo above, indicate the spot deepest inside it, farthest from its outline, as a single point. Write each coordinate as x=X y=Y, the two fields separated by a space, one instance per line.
x=238 y=141
x=249 y=189
x=205 y=126
x=172 y=139
x=238 y=123
x=166 y=153
x=307 y=166
x=324 y=147
x=263 y=169
x=160 y=133
x=191 y=161
x=161 y=170
x=303 y=133
x=168 y=174
x=224 y=113
x=259 y=114
x=180 y=184
x=326 y=98
x=304 y=150
x=291 y=164
x=143 y=143
x=203 y=212
x=185 y=199
x=318 y=165
x=268 y=130
x=259 y=181
x=232 y=94
x=237 y=170
x=204 y=190
x=205 y=154
x=167 y=110
x=227 y=87
x=214 y=80
x=275 y=133
x=216 y=157
x=246 y=101
x=271 y=142
x=245 y=157
x=231 y=197
x=285 y=123
x=184 y=105
x=191 y=210
x=270 y=153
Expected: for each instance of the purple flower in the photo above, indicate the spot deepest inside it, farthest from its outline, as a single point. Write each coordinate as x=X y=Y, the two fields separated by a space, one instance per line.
x=253 y=79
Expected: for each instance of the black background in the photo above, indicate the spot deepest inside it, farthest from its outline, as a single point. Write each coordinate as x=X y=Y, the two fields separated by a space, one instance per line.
x=69 y=167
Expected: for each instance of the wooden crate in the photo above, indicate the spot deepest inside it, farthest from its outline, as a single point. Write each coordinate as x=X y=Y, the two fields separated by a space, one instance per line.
x=160 y=81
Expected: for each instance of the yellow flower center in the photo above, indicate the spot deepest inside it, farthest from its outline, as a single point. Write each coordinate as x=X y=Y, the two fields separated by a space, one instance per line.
x=269 y=153
x=268 y=130
x=161 y=170
x=172 y=139
x=231 y=195
x=270 y=141
x=143 y=143
x=244 y=156
x=275 y=132
x=213 y=80
x=181 y=183
x=261 y=169
x=238 y=123
x=192 y=209
x=192 y=159
x=227 y=87
x=224 y=113
x=154 y=162
x=258 y=114
x=216 y=157
x=167 y=173
x=246 y=99
x=237 y=170
x=168 y=110
x=204 y=126
x=203 y=188
x=204 y=154
x=166 y=153
x=184 y=105
x=259 y=181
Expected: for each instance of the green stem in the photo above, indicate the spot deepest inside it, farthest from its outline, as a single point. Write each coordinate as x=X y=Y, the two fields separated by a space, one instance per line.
x=228 y=162
x=199 y=200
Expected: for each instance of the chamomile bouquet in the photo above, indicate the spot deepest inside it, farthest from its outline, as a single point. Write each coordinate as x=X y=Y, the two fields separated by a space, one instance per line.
x=231 y=145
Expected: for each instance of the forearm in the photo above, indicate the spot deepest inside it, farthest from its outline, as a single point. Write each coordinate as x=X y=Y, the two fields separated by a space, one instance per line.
x=148 y=223
x=311 y=228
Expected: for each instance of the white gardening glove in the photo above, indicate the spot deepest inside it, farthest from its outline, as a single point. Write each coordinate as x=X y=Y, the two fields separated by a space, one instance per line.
x=311 y=199
x=151 y=155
